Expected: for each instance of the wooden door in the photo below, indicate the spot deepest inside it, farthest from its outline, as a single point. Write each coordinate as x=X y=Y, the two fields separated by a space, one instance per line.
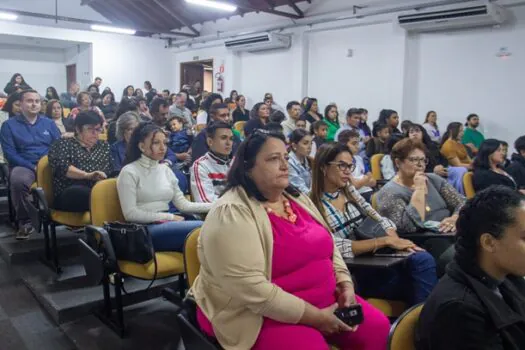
x=191 y=72
x=71 y=75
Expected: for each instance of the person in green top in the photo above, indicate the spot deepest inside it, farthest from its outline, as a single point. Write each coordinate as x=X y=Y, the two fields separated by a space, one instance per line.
x=331 y=118
x=472 y=138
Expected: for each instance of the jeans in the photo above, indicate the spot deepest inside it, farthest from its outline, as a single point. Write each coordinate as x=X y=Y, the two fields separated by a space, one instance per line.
x=412 y=281
x=74 y=199
x=170 y=236
x=20 y=183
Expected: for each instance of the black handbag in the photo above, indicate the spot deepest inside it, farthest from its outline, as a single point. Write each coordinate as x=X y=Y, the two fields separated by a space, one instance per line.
x=369 y=229
x=131 y=242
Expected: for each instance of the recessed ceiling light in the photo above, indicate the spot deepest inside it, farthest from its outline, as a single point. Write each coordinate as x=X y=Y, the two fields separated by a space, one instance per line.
x=109 y=29
x=214 y=4
x=8 y=16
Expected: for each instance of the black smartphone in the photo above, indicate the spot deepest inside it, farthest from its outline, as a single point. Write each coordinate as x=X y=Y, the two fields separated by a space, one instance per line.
x=351 y=316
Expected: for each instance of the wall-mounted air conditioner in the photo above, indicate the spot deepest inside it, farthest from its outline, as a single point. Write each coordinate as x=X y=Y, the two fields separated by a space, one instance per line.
x=453 y=18
x=269 y=41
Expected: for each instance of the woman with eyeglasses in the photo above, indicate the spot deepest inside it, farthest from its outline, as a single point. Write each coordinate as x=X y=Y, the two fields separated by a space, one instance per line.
x=78 y=163
x=420 y=202
x=344 y=209
x=271 y=276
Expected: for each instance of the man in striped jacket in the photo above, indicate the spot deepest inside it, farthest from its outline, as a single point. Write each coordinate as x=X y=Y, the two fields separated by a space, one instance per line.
x=209 y=172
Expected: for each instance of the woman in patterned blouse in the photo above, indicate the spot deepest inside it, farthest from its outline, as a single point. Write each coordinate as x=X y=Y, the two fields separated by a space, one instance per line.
x=78 y=163
x=345 y=209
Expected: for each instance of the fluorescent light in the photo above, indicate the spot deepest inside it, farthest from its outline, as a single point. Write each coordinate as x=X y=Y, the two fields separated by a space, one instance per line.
x=214 y=4
x=109 y=29
x=8 y=16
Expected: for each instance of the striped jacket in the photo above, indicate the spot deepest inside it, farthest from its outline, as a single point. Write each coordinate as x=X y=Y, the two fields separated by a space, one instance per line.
x=208 y=178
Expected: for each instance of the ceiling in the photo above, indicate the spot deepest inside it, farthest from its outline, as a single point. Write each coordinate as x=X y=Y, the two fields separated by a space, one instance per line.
x=165 y=16
x=26 y=41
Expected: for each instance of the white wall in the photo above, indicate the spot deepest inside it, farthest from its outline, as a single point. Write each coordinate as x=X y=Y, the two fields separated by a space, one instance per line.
x=119 y=59
x=81 y=55
x=40 y=67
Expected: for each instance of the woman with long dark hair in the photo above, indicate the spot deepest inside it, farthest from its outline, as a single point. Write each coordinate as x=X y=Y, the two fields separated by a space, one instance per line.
x=388 y=117
x=146 y=188
x=487 y=167
x=12 y=105
x=262 y=242
x=128 y=92
x=202 y=116
x=311 y=113
x=241 y=114
x=260 y=116
x=331 y=118
x=452 y=148
x=108 y=106
x=52 y=94
x=17 y=83
x=55 y=112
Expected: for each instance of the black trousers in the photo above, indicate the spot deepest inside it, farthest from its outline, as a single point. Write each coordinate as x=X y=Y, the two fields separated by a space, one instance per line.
x=74 y=199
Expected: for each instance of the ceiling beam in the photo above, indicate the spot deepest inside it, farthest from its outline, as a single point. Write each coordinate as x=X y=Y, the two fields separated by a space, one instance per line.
x=270 y=3
x=137 y=5
x=243 y=5
x=296 y=8
x=177 y=17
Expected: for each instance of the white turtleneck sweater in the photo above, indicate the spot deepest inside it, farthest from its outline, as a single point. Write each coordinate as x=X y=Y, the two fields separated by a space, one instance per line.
x=145 y=189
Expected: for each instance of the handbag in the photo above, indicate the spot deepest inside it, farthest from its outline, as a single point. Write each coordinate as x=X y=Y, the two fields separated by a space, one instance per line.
x=369 y=229
x=131 y=242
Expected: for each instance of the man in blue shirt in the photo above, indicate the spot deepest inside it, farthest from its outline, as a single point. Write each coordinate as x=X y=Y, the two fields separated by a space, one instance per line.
x=26 y=138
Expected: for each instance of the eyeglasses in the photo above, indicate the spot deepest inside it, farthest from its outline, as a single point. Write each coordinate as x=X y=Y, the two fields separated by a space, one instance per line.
x=344 y=166
x=416 y=161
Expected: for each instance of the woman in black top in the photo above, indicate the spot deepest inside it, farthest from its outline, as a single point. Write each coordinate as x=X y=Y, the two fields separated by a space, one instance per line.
x=260 y=117
x=241 y=114
x=78 y=163
x=480 y=302
x=108 y=106
x=52 y=94
x=390 y=118
x=16 y=84
x=487 y=167
x=311 y=113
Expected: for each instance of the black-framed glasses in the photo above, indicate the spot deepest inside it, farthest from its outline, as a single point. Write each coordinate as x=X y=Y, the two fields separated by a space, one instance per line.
x=344 y=166
x=417 y=161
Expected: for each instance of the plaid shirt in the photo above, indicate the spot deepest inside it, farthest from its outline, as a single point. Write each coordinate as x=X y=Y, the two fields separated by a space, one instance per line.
x=344 y=223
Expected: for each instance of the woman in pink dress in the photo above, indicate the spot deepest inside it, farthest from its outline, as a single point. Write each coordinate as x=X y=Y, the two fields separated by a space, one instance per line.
x=271 y=276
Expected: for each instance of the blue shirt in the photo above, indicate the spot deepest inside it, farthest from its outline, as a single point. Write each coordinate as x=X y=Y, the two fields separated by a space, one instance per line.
x=24 y=143
x=118 y=154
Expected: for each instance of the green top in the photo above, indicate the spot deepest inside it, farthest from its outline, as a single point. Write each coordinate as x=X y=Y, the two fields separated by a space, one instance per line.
x=332 y=129
x=472 y=136
x=237 y=133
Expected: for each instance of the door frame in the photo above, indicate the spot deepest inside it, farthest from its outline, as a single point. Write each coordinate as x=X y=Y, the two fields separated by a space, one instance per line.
x=181 y=71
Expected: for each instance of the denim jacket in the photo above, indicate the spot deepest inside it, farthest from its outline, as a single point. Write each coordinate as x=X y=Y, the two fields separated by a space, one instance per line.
x=300 y=175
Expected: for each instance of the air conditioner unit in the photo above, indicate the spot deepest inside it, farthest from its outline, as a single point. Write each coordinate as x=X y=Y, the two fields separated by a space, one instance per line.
x=453 y=18
x=269 y=41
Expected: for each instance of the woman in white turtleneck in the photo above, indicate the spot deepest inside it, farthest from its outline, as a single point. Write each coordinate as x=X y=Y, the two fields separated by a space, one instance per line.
x=146 y=187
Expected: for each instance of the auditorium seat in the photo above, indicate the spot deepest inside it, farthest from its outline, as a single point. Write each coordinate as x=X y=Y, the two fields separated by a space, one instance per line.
x=402 y=332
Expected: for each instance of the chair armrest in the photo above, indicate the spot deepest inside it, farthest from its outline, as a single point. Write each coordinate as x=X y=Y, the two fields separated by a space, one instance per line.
x=40 y=198
x=99 y=236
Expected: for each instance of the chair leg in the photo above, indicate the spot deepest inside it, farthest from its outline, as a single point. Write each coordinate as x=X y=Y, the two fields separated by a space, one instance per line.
x=54 y=248
x=107 y=297
x=46 y=240
x=118 y=304
x=106 y=314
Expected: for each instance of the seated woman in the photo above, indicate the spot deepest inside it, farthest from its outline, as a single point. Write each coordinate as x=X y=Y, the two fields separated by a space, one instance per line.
x=78 y=163
x=488 y=170
x=418 y=202
x=260 y=116
x=437 y=164
x=387 y=165
x=125 y=125
x=299 y=165
x=146 y=187
x=259 y=247
x=344 y=209
x=452 y=148
x=480 y=303
x=85 y=105
x=55 y=112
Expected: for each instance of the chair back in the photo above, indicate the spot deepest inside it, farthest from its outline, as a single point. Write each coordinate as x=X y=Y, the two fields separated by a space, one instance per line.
x=66 y=111
x=191 y=258
x=375 y=163
x=468 y=184
x=105 y=203
x=44 y=179
x=373 y=200
x=402 y=333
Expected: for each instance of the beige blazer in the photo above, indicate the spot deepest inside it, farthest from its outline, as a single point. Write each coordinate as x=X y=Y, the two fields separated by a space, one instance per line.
x=234 y=288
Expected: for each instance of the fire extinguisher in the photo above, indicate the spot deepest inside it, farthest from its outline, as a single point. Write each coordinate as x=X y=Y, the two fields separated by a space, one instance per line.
x=220 y=82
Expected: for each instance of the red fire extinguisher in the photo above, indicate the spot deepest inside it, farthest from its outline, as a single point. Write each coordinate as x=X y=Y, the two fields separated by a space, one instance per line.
x=220 y=82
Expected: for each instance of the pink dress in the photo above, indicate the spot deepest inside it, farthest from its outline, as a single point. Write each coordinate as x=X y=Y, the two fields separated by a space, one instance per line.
x=302 y=265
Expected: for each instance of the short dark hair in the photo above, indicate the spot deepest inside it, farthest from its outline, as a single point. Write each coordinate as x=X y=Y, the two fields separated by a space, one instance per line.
x=345 y=136
x=215 y=107
x=290 y=104
x=519 y=144
x=157 y=103
x=472 y=115
x=277 y=117
x=148 y=84
x=274 y=127
x=166 y=90
x=176 y=117
x=352 y=111
x=403 y=148
x=406 y=124
x=87 y=118
x=486 y=148
x=318 y=124
x=297 y=135
x=504 y=143
x=212 y=128
x=98 y=78
x=244 y=161
x=206 y=104
x=22 y=93
x=381 y=127
x=490 y=211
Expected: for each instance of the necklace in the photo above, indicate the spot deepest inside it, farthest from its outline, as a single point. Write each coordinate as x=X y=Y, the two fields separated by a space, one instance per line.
x=292 y=217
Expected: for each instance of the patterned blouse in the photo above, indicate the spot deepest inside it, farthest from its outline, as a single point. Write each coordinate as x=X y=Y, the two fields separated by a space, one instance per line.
x=343 y=224
x=66 y=152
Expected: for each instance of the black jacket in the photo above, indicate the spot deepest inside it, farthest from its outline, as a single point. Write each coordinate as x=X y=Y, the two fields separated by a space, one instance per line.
x=517 y=170
x=484 y=178
x=466 y=312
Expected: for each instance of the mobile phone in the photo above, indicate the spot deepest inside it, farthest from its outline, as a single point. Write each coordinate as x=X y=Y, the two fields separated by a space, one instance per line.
x=351 y=316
